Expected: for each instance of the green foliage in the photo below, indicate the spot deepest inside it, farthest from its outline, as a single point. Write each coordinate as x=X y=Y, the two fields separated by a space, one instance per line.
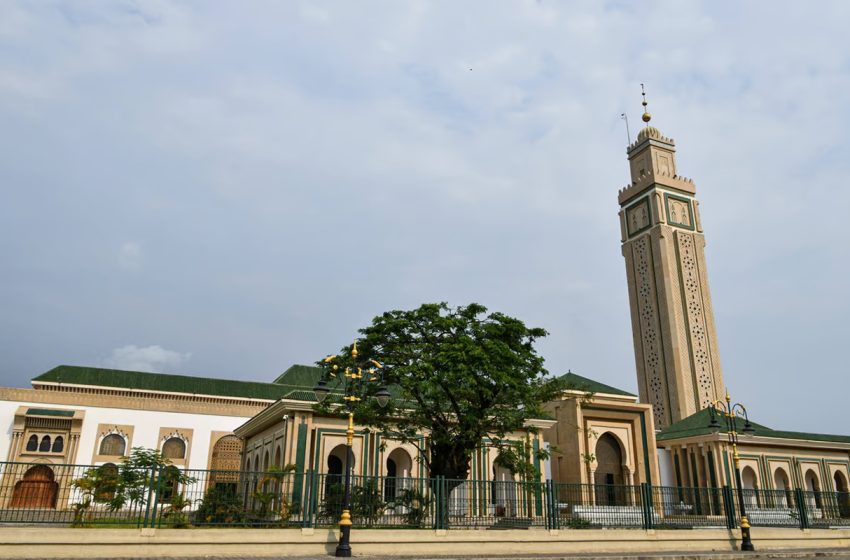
x=271 y=495
x=413 y=505
x=367 y=506
x=458 y=373
x=577 y=523
x=366 y=503
x=173 y=514
x=143 y=472
x=98 y=485
x=330 y=507
x=221 y=505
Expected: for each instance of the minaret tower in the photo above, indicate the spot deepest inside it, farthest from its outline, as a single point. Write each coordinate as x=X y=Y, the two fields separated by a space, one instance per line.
x=678 y=364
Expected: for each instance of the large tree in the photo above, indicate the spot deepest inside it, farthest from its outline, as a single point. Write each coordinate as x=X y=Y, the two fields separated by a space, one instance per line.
x=458 y=374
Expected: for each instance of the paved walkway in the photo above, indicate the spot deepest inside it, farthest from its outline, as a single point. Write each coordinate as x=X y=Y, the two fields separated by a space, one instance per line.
x=832 y=554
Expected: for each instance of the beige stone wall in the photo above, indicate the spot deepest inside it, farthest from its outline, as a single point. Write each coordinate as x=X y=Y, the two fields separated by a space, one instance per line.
x=30 y=542
x=580 y=424
x=764 y=456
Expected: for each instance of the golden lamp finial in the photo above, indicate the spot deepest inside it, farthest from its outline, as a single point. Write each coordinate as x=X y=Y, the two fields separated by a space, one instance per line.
x=647 y=116
x=354 y=350
x=728 y=398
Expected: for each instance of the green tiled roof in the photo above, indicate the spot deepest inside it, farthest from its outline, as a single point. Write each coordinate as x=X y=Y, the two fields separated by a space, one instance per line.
x=301 y=395
x=589 y=385
x=300 y=376
x=697 y=425
x=163 y=382
x=50 y=412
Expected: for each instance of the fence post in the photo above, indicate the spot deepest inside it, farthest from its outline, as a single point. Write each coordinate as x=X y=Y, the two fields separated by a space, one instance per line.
x=435 y=490
x=729 y=505
x=802 y=509
x=646 y=504
x=439 y=502
x=157 y=487
x=306 y=495
x=149 y=498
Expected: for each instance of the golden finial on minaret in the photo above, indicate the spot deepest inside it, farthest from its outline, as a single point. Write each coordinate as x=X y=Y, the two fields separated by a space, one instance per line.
x=646 y=114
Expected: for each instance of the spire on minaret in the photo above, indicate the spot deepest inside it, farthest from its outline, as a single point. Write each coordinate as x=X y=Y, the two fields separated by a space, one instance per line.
x=647 y=116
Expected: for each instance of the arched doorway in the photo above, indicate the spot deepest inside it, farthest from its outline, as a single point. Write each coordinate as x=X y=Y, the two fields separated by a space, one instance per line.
x=813 y=489
x=503 y=492
x=750 y=487
x=609 y=471
x=399 y=467
x=336 y=467
x=841 y=494
x=37 y=489
x=783 y=496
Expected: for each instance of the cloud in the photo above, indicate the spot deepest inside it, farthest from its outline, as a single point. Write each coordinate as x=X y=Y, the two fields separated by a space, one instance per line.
x=153 y=358
x=297 y=168
x=130 y=256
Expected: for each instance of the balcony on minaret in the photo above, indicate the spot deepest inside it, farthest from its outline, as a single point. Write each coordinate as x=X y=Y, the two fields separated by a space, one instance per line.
x=652 y=161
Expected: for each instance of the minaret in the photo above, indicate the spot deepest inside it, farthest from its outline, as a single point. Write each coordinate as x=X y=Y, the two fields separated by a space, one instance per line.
x=678 y=364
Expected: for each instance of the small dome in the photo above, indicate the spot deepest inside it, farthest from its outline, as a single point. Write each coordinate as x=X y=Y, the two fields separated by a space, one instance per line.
x=648 y=132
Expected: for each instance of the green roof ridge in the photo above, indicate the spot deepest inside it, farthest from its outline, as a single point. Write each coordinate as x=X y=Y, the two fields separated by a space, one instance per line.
x=300 y=375
x=167 y=382
x=582 y=383
x=697 y=424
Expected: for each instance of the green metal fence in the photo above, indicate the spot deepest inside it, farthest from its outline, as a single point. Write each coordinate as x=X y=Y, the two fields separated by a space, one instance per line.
x=115 y=496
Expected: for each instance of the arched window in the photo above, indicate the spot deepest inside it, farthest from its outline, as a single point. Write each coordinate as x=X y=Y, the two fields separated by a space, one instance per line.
x=170 y=482
x=107 y=481
x=113 y=444
x=174 y=448
x=226 y=456
x=58 y=444
x=45 y=444
x=32 y=443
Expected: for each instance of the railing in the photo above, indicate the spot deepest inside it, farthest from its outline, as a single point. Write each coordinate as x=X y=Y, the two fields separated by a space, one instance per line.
x=115 y=496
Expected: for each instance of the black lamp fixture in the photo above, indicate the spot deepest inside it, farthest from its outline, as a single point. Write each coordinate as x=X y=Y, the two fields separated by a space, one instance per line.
x=731 y=413
x=321 y=390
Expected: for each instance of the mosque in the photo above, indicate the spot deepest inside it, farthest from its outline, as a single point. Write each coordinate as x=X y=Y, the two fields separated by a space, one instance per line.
x=599 y=434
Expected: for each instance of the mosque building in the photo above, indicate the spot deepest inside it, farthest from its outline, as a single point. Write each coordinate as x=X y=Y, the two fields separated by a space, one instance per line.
x=598 y=434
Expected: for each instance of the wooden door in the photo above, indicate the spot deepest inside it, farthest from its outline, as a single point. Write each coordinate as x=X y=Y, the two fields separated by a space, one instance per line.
x=36 y=489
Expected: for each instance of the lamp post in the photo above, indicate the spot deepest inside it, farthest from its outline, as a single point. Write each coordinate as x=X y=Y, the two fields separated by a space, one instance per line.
x=730 y=413
x=354 y=381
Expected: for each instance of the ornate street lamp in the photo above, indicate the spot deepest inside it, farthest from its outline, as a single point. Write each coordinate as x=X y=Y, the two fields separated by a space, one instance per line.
x=730 y=412
x=354 y=381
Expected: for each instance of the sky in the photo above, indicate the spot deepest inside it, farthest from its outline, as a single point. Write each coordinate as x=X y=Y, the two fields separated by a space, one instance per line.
x=224 y=189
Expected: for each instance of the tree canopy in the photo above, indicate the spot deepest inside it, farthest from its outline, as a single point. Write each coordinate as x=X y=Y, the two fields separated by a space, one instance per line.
x=460 y=375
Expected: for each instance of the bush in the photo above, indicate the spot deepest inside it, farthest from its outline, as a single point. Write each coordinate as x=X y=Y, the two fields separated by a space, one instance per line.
x=220 y=506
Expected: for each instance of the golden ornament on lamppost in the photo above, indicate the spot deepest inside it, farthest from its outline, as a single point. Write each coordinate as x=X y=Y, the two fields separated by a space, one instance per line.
x=354 y=385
